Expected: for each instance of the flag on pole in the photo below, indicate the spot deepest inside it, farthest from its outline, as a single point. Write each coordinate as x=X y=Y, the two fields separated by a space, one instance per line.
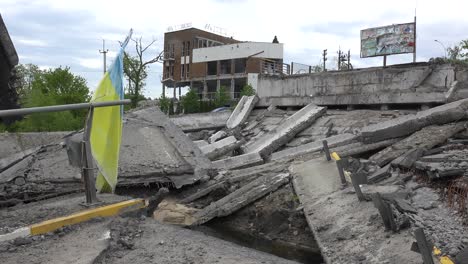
x=106 y=129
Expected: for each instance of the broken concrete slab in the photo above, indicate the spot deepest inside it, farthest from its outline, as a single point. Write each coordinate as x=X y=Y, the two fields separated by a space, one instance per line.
x=380 y=175
x=408 y=124
x=173 y=146
x=217 y=136
x=11 y=160
x=285 y=131
x=360 y=148
x=241 y=197
x=426 y=138
x=408 y=158
x=11 y=143
x=221 y=147
x=333 y=141
x=201 y=121
x=438 y=170
x=201 y=143
x=242 y=111
x=237 y=162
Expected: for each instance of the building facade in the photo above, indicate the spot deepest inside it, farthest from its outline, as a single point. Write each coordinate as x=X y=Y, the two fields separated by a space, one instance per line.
x=205 y=61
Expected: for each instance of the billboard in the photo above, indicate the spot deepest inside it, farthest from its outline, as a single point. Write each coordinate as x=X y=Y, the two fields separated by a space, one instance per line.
x=387 y=40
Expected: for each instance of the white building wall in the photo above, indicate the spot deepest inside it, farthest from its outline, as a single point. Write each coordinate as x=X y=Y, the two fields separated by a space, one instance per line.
x=238 y=50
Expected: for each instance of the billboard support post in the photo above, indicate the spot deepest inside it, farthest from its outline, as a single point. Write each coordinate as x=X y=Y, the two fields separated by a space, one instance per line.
x=414 y=53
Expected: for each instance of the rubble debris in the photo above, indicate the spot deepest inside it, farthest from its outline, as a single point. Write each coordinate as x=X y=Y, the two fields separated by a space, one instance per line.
x=360 y=148
x=154 y=200
x=217 y=136
x=174 y=213
x=284 y=131
x=333 y=141
x=11 y=160
x=12 y=143
x=217 y=186
x=405 y=125
x=457 y=195
x=200 y=143
x=201 y=121
x=148 y=160
x=380 y=175
x=237 y=162
x=426 y=138
x=241 y=197
x=242 y=111
x=438 y=170
x=221 y=147
x=200 y=135
x=408 y=159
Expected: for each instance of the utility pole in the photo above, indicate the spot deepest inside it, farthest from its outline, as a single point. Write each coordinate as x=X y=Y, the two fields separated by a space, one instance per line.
x=104 y=52
x=324 y=54
x=339 y=58
x=349 y=59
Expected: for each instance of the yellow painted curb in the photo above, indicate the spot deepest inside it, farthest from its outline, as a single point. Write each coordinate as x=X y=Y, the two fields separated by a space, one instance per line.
x=335 y=156
x=103 y=211
x=442 y=259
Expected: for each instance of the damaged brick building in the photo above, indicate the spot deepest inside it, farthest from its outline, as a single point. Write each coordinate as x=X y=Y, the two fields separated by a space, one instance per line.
x=205 y=61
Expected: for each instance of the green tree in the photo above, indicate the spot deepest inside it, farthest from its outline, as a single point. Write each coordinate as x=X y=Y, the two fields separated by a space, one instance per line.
x=247 y=90
x=54 y=87
x=190 y=102
x=24 y=75
x=136 y=69
x=164 y=103
x=221 y=97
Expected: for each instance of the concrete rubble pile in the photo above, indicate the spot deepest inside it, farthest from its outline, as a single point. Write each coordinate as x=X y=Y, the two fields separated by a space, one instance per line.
x=153 y=150
x=400 y=149
x=403 y=161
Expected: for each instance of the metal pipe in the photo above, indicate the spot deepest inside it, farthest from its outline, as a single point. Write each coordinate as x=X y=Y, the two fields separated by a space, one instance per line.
x=58 y=108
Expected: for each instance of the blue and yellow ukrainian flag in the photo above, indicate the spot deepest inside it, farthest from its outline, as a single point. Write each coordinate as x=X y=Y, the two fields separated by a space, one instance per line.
x=106 y=130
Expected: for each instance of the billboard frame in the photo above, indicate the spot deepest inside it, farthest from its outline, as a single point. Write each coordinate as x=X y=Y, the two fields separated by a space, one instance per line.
x=385 y=55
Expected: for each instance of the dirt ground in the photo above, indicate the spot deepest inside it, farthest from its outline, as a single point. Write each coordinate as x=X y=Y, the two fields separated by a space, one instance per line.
x=144 y=240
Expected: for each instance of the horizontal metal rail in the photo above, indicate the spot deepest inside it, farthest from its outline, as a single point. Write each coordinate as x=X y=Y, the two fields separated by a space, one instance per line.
x=58 y=108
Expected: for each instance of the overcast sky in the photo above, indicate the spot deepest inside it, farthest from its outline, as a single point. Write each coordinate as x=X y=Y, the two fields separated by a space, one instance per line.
x=53 y=33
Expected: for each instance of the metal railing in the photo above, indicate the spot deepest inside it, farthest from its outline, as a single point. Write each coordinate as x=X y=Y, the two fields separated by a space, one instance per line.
x=168 y=55
x=272 y=67
x=87 y=158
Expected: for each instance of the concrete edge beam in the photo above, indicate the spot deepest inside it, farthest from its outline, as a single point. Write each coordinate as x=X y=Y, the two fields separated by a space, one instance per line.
x=220 y=147
x=242 y=111
x=237 y=162
x=333 y=141
x=285 y=131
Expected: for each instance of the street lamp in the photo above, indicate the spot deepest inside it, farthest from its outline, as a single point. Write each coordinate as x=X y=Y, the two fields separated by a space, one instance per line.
x=443 y=46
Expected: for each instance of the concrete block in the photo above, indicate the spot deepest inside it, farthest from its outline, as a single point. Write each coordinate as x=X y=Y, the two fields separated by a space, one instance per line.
x=200 y=143
x=201 y=121
x=333 y=141
x=241 y=161
x=405 y=125
x=285 y=131
x=380 y=175
x=216 y=136
x=242 y=111
x=220 y=147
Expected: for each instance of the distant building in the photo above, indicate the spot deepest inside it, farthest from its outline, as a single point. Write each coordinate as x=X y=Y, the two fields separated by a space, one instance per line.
x=205 y=61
